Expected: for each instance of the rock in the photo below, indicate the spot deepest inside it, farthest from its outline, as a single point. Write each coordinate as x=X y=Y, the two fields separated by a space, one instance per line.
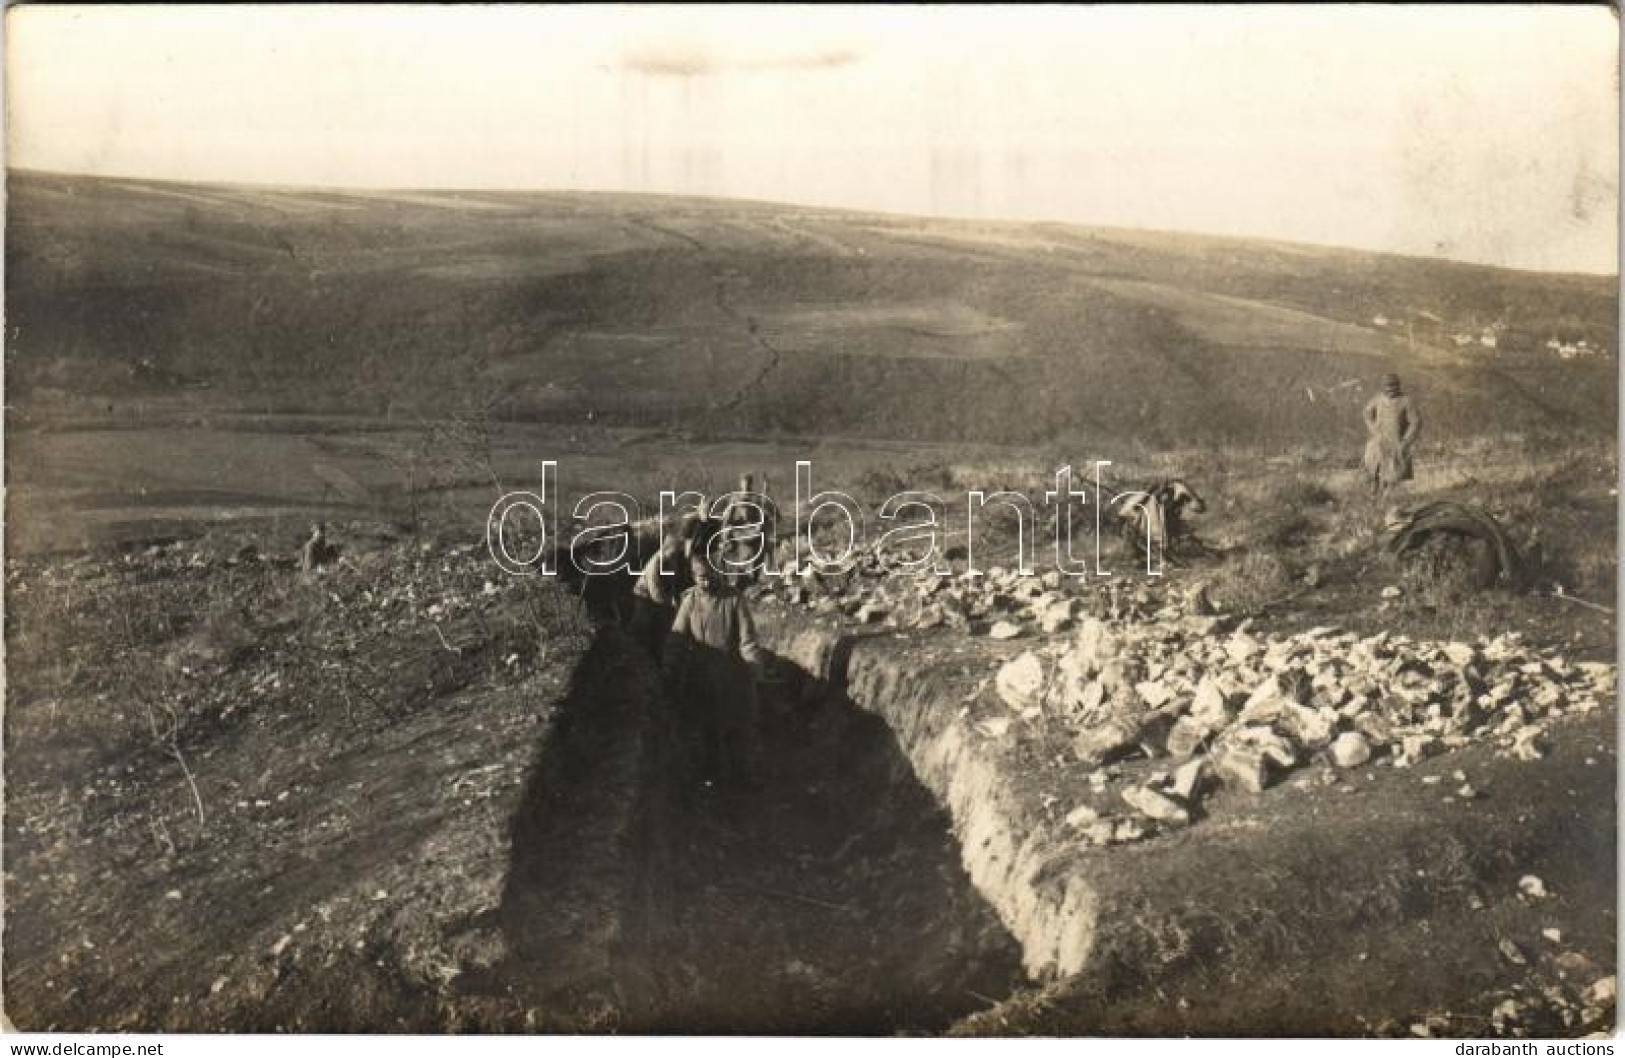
x=1187 y=736
x=1101 y=833
x=1209 y=707
x=1128 y=830
x=1461 y=655
x=871 y=613
x=1020 y=683
x=1154 y=727
x=1249 y=757
x=1242 y=766
x=1529 y=743
x=1511 y=952
x=1268 y=700
x=1004 y=630
x=1055 y=616
x=1350 y=750
x=1277 y=750
x=994 y=727
x=1307 y=726
x=1107 y=740
x=1600 y=675
x=1119 y=675
x=1190 y=779
x=1081 y=816
x=1603 y=992
x=1094 y=645
x=1416 y=748
x=1154 y=693
x=1431 y=1027
x=1553 y=935
x=1085 y=698
x=1391 y=592
x=1375 y=727
x=1197 y=601
x=1150 y=803
x=1532 y=887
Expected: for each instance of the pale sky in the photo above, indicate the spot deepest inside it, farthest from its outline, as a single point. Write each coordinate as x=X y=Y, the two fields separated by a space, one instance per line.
x=1481 y=133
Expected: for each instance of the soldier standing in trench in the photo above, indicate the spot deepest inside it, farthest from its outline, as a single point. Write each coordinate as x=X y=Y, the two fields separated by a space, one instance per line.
x=712 y=660
x=1391 y=423
x=753 y=517
x=655 y=595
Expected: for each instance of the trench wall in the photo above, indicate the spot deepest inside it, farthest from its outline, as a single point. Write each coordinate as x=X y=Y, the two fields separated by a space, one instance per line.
x=1019 y=861
x=1385 y=863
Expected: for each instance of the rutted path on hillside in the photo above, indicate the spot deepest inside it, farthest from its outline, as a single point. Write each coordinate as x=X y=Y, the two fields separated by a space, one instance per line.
x=724 y=303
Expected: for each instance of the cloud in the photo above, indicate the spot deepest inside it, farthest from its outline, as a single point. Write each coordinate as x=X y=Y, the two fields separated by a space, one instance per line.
x=679 y=60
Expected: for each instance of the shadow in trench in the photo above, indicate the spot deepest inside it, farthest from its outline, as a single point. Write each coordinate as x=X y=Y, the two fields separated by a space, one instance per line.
x=577 y=844
x=830 y=900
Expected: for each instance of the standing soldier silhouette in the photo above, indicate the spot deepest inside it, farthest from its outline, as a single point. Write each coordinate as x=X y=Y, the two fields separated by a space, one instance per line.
x=1391 y=424
x=712 y=660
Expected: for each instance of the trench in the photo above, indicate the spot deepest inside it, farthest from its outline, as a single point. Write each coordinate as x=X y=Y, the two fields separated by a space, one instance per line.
x=827 y=898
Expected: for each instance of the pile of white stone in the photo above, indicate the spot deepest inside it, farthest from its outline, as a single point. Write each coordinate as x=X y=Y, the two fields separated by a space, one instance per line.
x=1245 y=709
x=998 y=603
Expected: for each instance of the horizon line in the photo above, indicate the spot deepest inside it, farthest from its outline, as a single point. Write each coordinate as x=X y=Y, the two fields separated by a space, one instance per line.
x=362 y=189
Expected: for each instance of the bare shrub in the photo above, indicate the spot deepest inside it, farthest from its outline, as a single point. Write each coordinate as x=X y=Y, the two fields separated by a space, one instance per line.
x=1252 y=580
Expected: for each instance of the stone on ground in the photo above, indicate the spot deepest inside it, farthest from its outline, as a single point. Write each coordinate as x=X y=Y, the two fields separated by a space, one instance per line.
x=1021 y=682
x=1350 y=750
x=1112 y=738
x=1156 y=806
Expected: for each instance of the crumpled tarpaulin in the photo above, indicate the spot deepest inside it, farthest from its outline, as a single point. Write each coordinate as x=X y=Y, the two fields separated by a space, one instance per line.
x=1412 y=527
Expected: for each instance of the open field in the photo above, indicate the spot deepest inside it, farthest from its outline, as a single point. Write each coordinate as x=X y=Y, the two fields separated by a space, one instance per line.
x=749 y=318
x=409 y=792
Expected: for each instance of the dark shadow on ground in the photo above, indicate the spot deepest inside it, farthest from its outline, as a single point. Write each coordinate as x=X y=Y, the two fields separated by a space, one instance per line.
x=828 y=899
x=831 y=899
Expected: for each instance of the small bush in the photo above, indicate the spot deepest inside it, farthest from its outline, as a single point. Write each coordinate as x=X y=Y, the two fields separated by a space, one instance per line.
x=1298 y=493
x=1442 y=573
x=1245 y=583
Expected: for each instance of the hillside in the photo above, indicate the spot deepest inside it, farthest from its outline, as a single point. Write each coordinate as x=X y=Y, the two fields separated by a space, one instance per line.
x=400 y=790
x=749 y=318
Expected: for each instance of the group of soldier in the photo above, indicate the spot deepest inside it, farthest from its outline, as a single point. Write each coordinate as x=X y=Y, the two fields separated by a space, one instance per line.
x=689 y=612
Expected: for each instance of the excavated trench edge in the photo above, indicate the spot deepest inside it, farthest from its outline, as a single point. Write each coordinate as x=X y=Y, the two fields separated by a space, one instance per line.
x=1076 y=918
x=587 y=907
x=1050 y=911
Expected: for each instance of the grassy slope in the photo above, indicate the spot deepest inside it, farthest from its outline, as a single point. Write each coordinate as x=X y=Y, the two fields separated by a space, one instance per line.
x=752 y=317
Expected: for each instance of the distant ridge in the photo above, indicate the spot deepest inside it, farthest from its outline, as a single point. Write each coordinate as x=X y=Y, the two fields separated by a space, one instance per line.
x=752 y=317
